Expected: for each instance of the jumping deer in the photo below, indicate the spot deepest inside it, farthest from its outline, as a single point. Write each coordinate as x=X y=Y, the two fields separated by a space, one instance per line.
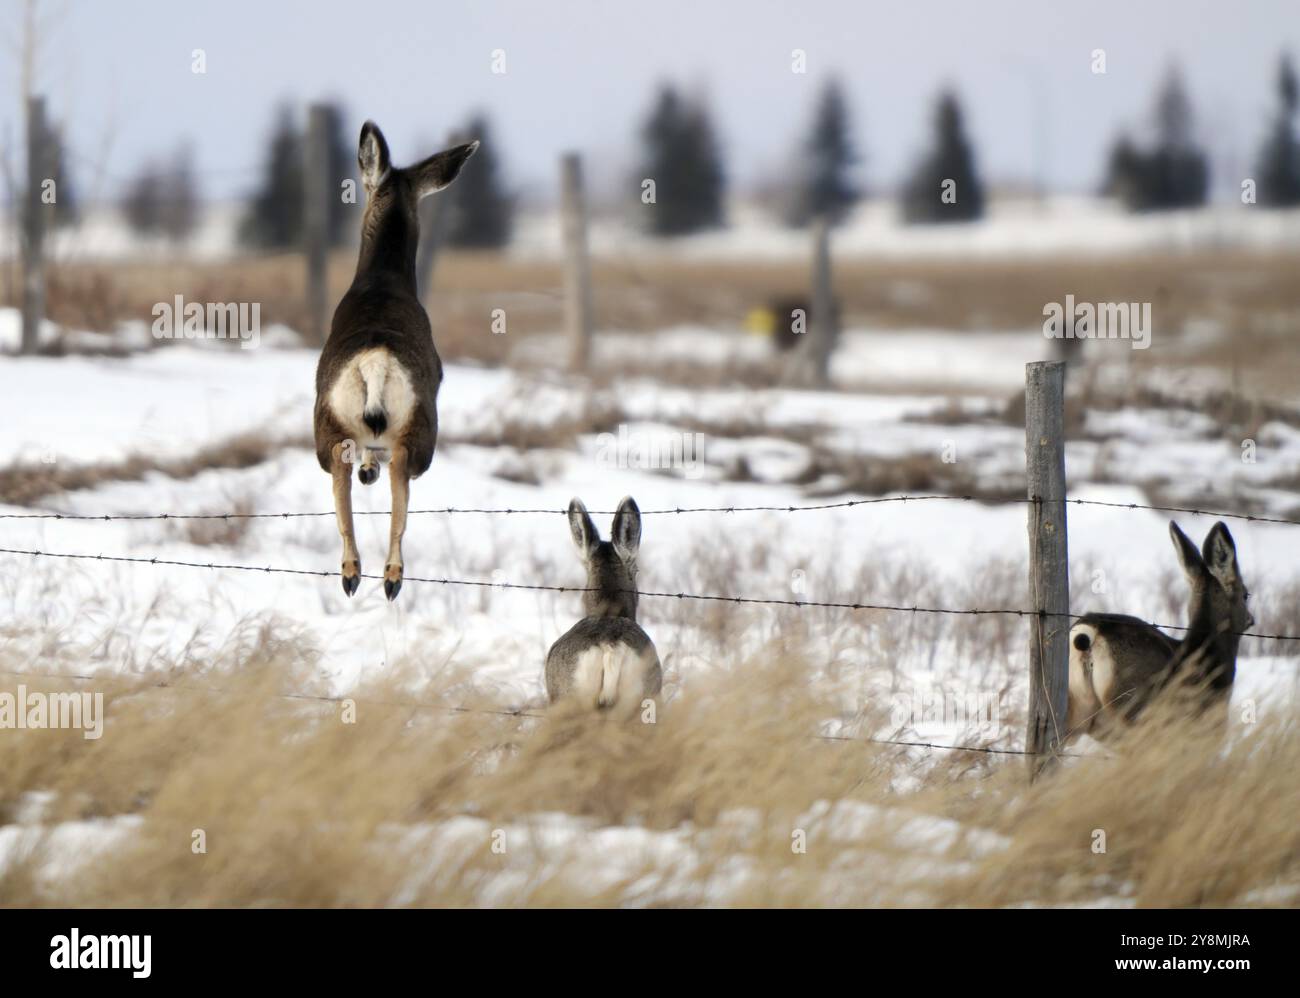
x=378 y=376
x=1119 y=664
x=606 y=660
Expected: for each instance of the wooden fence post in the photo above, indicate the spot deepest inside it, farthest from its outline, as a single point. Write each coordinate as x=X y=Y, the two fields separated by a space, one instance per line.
x=825 y=326
x=1049 y=575
x=33 y=222
x=577 y=273
x=315 y=219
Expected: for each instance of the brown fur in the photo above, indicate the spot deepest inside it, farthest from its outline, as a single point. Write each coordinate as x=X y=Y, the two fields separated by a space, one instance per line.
x=1140 y=662
x=382 y=311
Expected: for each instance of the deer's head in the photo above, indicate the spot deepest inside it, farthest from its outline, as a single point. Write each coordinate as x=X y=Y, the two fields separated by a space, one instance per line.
x=393 y=193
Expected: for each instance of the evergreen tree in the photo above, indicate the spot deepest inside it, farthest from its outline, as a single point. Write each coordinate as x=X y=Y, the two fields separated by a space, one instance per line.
x=180 y=197
x=481 y=212
x=946 y=186
x=1175 y=173
x=65 y=204
x=163 y=200
x=1125 y=171
x=826 y=187
x=275 y=214
x=342 y=166
x=142 y=205
x=274 y=218
x=683 y=160
x=1279 y=166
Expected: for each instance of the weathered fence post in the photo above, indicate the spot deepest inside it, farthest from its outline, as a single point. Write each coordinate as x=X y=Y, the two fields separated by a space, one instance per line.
x=577 y=274
x=825 y=325
x=33 y=222
x=315 y=219
x=1049 y=575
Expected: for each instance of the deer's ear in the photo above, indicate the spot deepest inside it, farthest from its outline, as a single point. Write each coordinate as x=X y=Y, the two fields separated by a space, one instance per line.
x=583 y=530
x=1193 y=564
x=440 y=169
x=372 y=156
x=1220 y=553
x=626 y=532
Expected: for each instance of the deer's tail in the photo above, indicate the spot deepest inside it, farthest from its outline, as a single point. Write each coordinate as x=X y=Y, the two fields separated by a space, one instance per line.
x=374 y=372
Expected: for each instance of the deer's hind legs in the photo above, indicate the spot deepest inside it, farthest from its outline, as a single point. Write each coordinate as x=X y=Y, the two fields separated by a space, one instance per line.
x=401 y=487
x=341 y=471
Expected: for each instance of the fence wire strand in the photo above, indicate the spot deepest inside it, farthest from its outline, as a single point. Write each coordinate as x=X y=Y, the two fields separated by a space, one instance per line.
x=541 y=587
x=663 y=511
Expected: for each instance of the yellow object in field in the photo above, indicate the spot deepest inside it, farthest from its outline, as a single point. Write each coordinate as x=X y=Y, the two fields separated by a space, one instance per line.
x=761 y=321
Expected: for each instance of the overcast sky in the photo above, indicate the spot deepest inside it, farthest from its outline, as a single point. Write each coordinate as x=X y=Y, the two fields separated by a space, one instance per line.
x=580 y=74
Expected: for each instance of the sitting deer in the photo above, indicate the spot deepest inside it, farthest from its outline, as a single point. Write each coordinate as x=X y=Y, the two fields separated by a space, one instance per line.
x=606 y=660
x=1118 y=664
x=378 y=376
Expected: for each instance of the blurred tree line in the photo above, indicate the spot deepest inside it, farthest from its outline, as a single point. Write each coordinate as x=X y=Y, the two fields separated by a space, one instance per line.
x=1174 y=172
x=163 y=198
x=681 y=157
x=1279 y=159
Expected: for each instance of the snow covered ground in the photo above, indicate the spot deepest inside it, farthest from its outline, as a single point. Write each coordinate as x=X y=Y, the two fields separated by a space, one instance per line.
x=87 y=617
x=171 y=402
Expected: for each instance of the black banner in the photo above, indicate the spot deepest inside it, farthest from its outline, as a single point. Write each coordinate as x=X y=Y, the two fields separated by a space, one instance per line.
x=926 y=948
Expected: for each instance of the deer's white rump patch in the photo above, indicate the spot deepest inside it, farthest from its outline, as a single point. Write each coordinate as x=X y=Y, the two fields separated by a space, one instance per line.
x=1092 y=675
x=611 y=676
x=373 y=378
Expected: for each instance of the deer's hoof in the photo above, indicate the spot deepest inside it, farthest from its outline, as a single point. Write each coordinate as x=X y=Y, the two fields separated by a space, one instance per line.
x=392 y=581
x=351 y=578
x=368 y=474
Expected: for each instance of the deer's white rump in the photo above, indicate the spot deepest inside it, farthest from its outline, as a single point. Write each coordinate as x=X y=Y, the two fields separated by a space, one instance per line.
x=373 y=383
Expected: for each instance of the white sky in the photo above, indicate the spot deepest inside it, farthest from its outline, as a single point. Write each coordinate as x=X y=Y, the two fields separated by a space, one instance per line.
x=580 y=74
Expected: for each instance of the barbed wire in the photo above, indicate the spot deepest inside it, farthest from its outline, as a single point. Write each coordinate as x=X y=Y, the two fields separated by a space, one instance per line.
x=667 y=510
x=541 y=587
x=985 y=749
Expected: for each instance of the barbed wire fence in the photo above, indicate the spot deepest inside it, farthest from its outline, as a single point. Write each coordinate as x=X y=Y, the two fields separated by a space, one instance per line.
x=667 y=510
x=553 y=588
x=662 y=511
x=1040 y=614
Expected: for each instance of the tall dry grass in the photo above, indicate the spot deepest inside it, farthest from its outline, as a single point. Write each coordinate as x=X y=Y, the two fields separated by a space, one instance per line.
x=422 y=805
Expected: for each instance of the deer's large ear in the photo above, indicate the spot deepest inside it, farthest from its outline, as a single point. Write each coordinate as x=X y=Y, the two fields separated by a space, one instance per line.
x=626 y=532
x=440 y=169
x=1220 y=553
x=583 y=530
x=1193 y=564
x=372 y=156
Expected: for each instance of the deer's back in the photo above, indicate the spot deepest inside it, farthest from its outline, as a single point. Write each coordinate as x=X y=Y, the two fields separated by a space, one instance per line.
x=380 y=314
x=1119 y=668
x=377 y=314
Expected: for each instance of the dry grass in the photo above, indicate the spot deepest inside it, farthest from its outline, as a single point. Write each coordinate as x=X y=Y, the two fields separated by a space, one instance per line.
x=27 y=482
x=1254 y=297
x=404 y=806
